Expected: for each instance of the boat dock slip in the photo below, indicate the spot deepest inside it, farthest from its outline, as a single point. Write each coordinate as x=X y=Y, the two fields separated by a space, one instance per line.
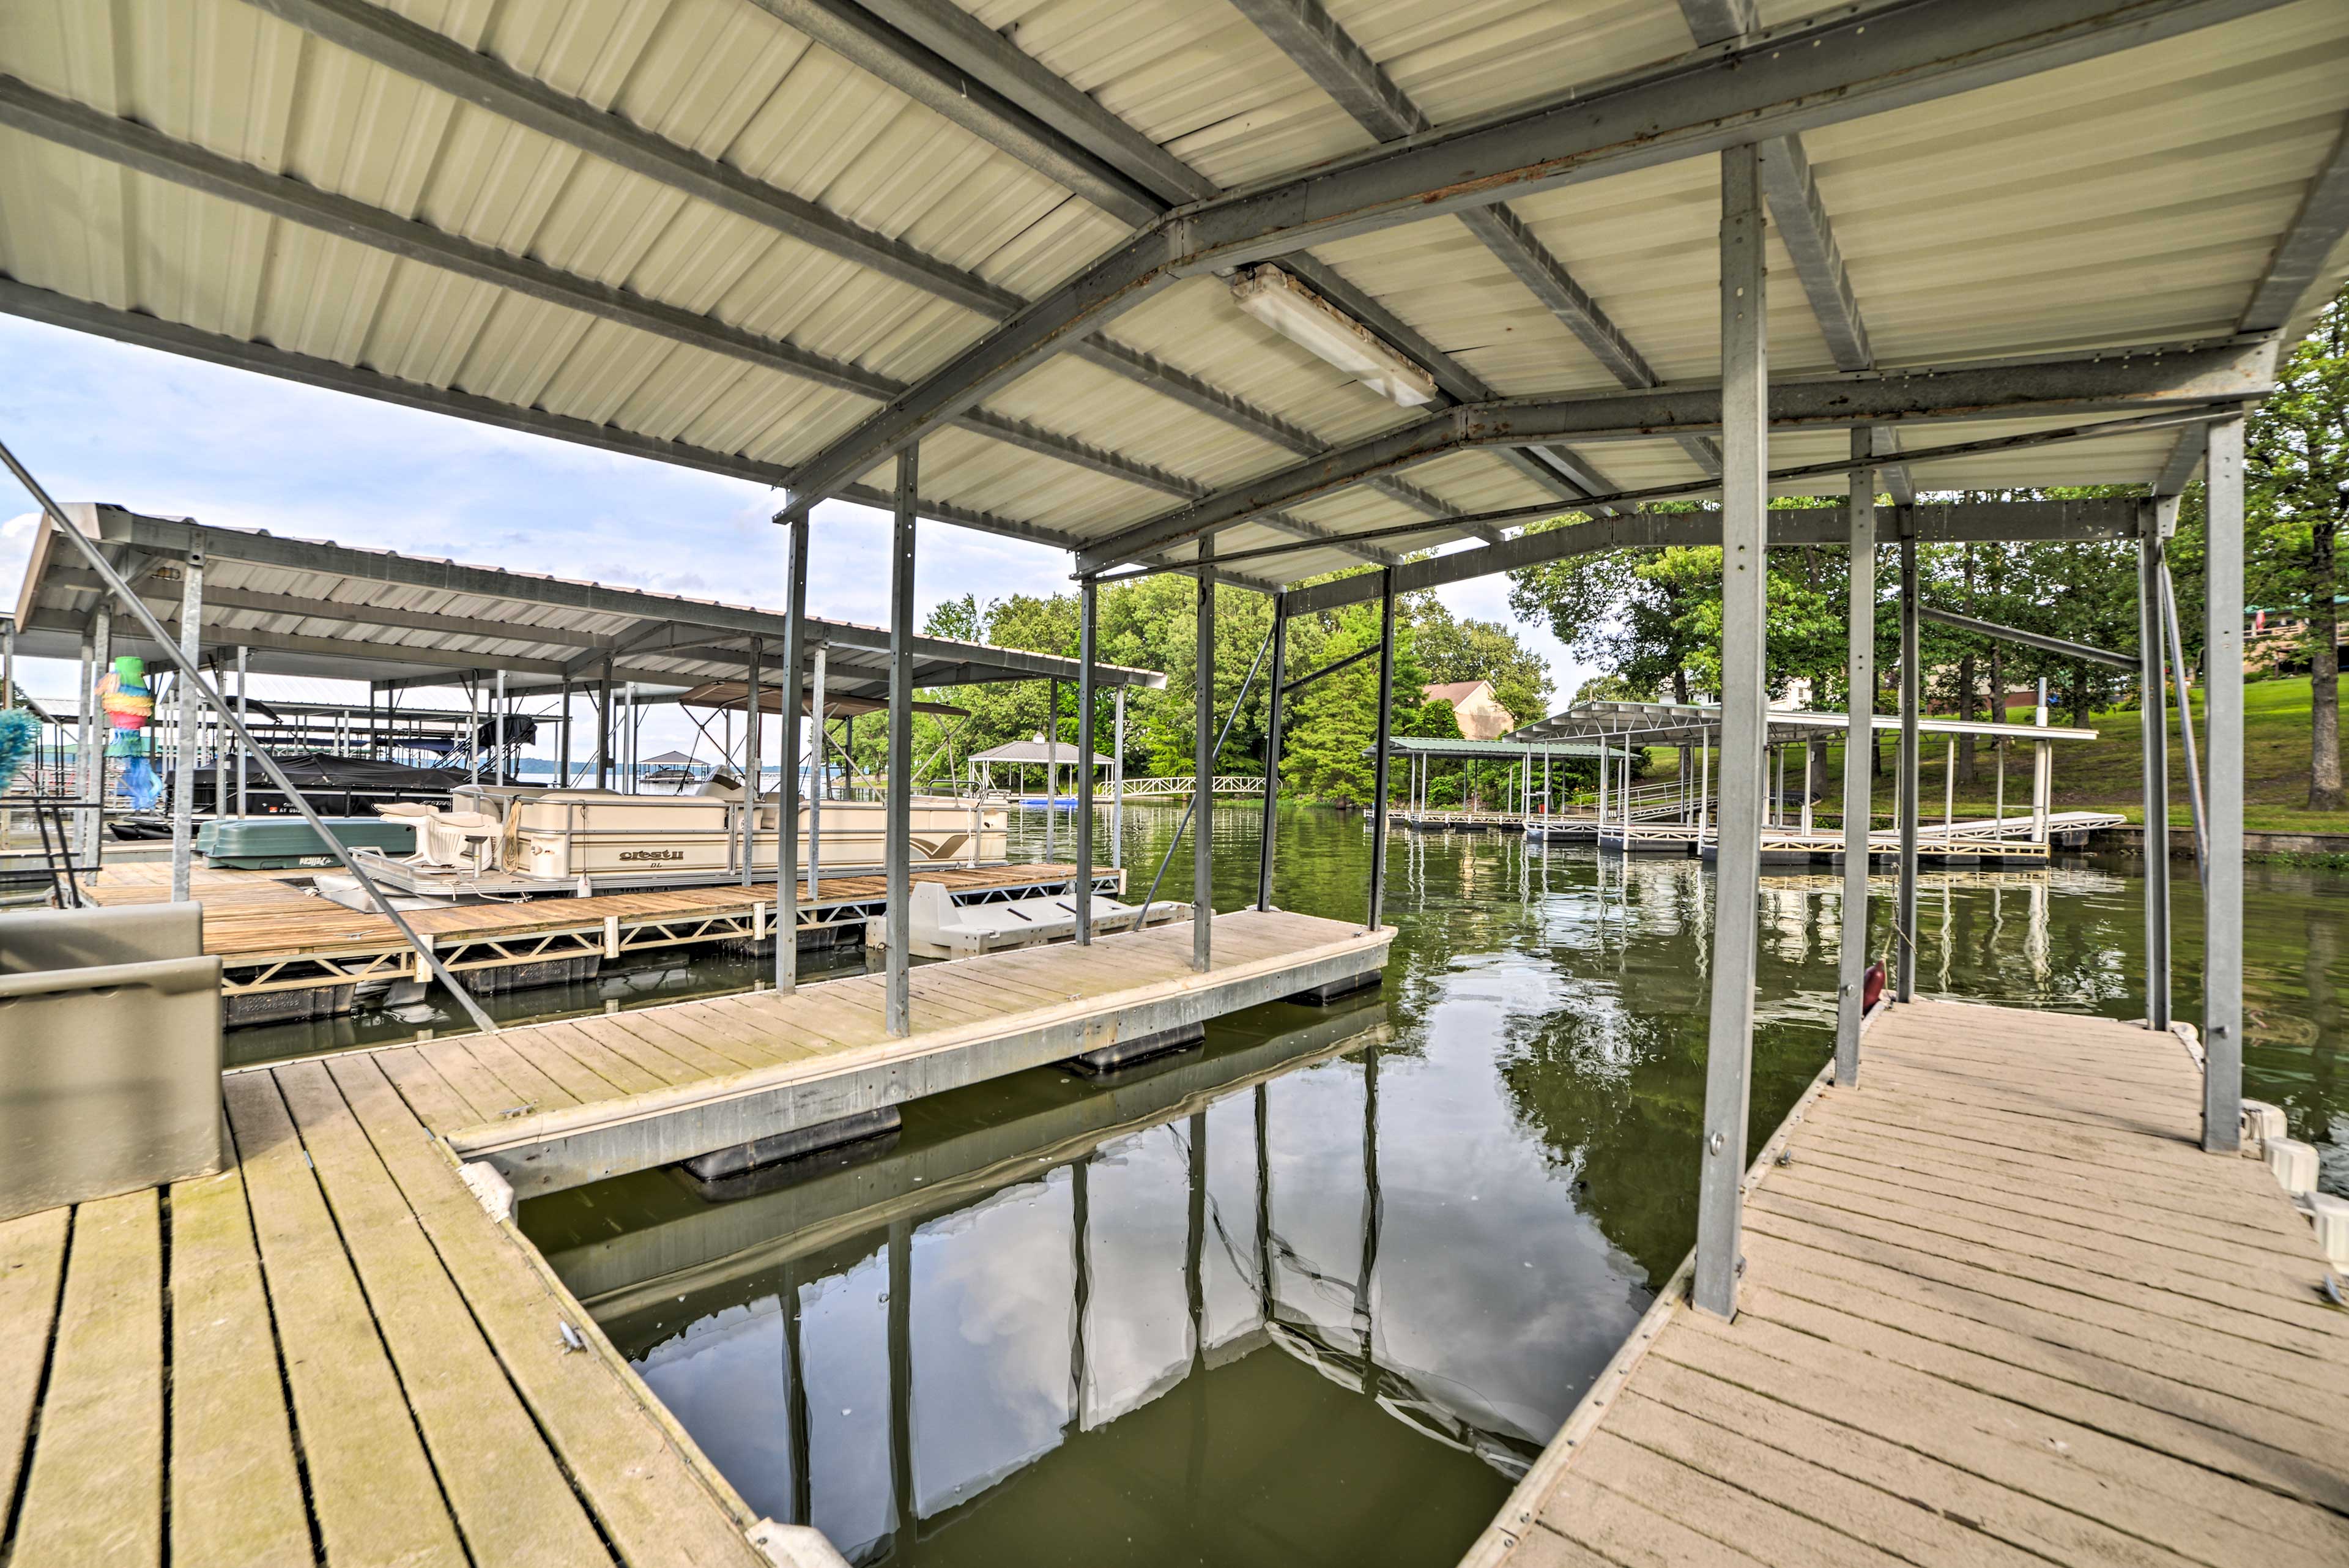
x=328 y=1353
x=1998 y=1307
x=275 y=937
x=559 y=1105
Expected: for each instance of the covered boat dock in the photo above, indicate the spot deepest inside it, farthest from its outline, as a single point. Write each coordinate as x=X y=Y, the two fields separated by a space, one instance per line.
x=1258 y=294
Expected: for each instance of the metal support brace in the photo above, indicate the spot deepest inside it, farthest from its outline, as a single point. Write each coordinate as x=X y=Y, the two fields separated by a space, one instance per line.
x=1904 y=916
x=2222 y=709
x=1117 y=784
x=1203 y=768
x=2154 y=728
x=1380 y=763
x=2175 y=645
x=1088 y=614
x=1745 y=550
x=900 y=810
x=1275 y=717
x=1858 y=783
x=183 y=763
x=787 y=792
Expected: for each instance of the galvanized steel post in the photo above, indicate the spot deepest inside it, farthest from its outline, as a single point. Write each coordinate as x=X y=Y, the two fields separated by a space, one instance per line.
x=1744 y=546
x=2154 y=731
x=1904 y=908
x=89 y=747
x=2222 y=711
x=786 y=794
x=1859 y=748
x=1386 y=736
x=243 y=716
x=1275 y=714
x=819 y=766
x=1203 y=767
x=751 y=725
x=497 y=740
x=603 y=727
x=183 y=766
x=1116 y=787
x=900 y=810
x=1088 y=614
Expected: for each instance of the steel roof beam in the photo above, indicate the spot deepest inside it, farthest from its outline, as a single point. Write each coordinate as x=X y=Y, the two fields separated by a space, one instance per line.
x=860 y=38
x=1801 y=219
x=1980 y=520
x=1340 y=67
x=2299 y=259
x=1853 y=62
x=2292 y=270
x=472 y=77
x=2150 y=379
x=970 y=45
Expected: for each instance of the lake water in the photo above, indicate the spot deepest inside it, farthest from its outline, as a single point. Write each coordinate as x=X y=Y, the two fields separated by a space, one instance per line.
x=1318 y=1291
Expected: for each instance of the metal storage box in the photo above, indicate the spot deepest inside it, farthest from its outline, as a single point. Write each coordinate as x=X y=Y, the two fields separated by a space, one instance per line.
x=110 y=1053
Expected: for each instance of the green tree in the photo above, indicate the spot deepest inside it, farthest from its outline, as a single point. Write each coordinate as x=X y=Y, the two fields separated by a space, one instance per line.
x=2296 y=499
x=1451 y=649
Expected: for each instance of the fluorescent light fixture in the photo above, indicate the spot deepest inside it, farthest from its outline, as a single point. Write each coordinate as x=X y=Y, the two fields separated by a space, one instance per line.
x=1308 y=320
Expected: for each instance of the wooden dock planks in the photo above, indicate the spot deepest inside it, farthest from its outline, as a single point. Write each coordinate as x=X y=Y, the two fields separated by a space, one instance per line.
x=328 y=1353
x=1999 y=1308
x=733 y=1068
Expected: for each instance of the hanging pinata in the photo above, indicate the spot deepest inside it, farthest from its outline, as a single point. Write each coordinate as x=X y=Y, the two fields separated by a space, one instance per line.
x=129 y=710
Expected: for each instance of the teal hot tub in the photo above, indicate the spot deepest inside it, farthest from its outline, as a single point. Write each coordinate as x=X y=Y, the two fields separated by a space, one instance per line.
x=275 y=843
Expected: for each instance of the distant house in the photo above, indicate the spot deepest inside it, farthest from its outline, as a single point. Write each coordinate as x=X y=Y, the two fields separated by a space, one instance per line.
x=1479 y=713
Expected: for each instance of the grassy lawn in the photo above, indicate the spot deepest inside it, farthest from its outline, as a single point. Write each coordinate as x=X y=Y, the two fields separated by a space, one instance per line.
x=2104 y=775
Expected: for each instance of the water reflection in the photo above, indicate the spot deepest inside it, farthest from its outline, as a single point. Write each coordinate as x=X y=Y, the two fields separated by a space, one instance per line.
x=1317 y=1293
x=908 y=1339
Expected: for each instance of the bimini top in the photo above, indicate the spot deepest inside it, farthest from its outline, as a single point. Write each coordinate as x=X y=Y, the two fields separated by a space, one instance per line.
x=305 y=607
x=1692 y=724
x=1136 y=272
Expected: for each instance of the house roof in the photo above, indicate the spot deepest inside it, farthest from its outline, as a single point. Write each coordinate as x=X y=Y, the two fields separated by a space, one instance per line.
x=1454 y=691
x=700 y=233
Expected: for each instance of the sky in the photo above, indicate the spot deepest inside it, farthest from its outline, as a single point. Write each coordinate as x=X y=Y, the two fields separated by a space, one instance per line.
x=98 y=420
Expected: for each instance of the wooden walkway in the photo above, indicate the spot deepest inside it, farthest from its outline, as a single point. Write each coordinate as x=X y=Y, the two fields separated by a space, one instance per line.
x=276 y=936
x=561 y=1103
x=1998 y=1309
x=329 y=1353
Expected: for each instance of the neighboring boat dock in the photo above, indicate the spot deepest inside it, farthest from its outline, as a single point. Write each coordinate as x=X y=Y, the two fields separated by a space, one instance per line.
x=289 y=954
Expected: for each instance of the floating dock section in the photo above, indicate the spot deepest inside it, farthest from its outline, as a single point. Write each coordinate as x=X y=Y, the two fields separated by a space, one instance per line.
x=1998 y=1307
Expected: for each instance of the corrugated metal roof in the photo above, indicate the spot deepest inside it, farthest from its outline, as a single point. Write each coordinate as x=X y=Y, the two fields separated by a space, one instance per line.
x=2133 y=198
x=317 y=609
